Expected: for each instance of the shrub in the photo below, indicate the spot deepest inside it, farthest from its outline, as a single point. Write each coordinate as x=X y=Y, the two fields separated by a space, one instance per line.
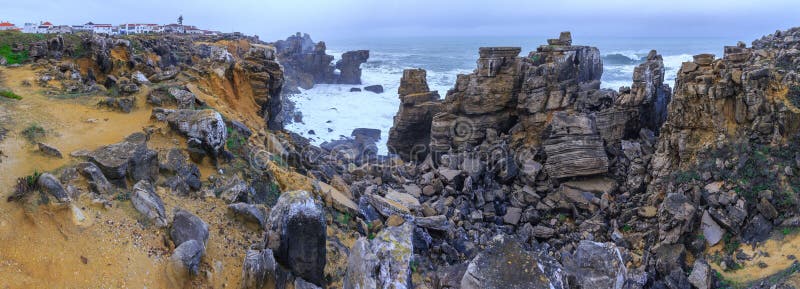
x=34 y=132
x=10 y=94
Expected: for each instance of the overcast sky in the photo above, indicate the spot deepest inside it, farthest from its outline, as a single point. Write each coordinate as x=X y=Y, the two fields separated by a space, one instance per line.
x=341 y=19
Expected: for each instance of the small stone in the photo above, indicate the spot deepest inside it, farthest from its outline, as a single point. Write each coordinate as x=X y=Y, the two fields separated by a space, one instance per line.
x=394 y=221
x=50 y=150
x=647 y=211
x=374 y=88
x=512 y=216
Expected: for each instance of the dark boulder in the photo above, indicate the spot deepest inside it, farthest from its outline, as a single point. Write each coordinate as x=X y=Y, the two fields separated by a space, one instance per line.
x=296 y=233
x=374 y=88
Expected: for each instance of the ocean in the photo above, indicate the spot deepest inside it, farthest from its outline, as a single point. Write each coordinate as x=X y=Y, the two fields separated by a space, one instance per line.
x=331 y=111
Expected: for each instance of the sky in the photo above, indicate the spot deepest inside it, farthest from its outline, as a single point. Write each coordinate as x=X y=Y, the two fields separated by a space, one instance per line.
x=356 y=19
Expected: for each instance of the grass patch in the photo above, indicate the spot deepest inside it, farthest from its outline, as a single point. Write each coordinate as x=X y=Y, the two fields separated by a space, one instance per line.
x=25 y=185
x=34 y=132
x=10 y=94
x=236 y=142
x=13 y=57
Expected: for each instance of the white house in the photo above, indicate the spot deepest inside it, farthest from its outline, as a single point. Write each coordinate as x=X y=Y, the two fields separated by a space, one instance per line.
x=174 y=28
x=138 y=28
x=43 y=28
x=7 y=26
x=60 y=29
x=103 y=28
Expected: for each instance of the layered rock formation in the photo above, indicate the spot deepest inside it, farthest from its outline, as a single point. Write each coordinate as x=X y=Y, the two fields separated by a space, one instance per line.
x=410 y=134
x=305 y=63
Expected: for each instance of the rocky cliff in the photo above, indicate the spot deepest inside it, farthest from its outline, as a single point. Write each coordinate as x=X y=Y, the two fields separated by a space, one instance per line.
x=306 y=63
x=526 y=175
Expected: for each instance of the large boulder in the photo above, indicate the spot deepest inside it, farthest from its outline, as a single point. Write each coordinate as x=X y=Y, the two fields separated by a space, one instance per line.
x=258 y=270
x=596 y=265
x=205 y=127
x=186 y=226
x=505 y=264
x=148 y=203
x=384 y=262
x=129 y=159
x=296 y=233
x=50 y=185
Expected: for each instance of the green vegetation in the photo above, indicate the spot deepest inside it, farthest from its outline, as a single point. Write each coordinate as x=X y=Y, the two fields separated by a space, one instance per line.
x=236 y=143
x=730 y=244
x=10 y=94
x=123 y=196
x=34 y=132
x=344 y=218
x=279 y=161
x=25 y=185
x=685 y=176
x=414 y=266
x=11 y=56
x=627 y=228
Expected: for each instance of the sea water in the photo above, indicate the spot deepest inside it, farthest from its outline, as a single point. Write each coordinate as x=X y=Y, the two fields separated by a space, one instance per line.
x=331 y=111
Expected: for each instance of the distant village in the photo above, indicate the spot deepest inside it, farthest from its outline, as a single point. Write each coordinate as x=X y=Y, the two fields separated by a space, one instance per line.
x=46 y=27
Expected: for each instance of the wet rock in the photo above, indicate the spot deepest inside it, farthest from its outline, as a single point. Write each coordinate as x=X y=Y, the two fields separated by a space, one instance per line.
x=249 y=213
x=296 y=233
x=127 y=159
x=186 y=226
x=498 y=267
x=350 y=66
x=355 y=89
x=49 y=150
x=148 y=203
x=258 y=270
x=374 y=88
x=50 y=185
x=410 y=135
x=596 y=265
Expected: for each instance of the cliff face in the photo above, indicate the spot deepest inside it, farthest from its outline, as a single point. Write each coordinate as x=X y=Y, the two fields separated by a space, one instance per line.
x=245 y=74
x=306 y=63
x=749 y=95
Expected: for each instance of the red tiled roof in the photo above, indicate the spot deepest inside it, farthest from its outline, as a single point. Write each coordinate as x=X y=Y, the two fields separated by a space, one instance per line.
x=47 y=23
x=6 y=24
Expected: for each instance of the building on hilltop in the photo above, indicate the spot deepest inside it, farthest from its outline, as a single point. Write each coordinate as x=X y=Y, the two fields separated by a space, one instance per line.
x=7 y=26
x=103 y=29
